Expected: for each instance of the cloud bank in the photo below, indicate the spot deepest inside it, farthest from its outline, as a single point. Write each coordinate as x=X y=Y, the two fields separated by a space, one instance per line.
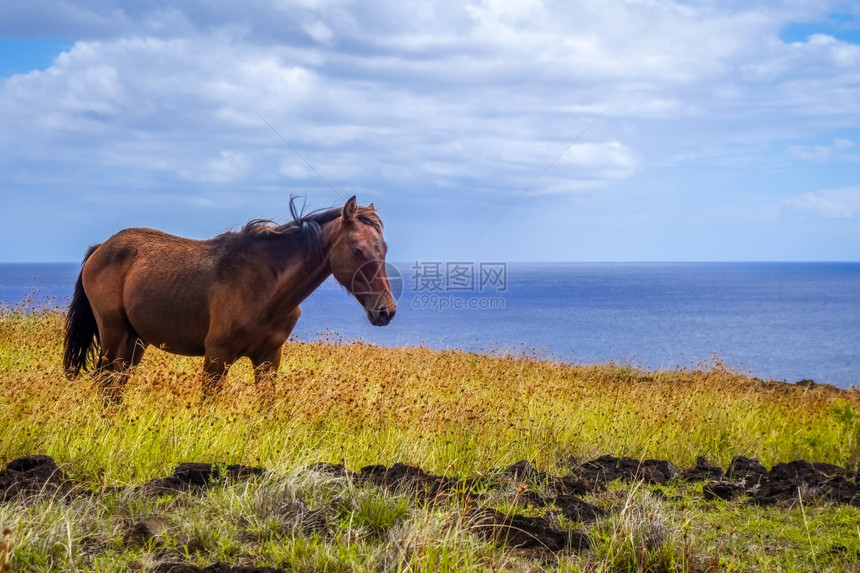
x=442 y=113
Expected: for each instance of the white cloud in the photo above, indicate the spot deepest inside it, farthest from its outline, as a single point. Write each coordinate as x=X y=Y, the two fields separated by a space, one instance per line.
x=150 y=102
x=228 y=167
x=613 y=159
x=840 y=150
x=320 y=32
x=833 y=203
x=470 y=101
x=524 y=61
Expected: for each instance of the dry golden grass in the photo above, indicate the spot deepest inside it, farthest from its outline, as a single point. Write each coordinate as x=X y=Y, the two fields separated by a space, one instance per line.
x=449 y=412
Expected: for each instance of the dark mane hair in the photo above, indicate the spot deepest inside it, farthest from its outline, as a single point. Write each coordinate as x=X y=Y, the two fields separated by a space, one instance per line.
x=305 y=229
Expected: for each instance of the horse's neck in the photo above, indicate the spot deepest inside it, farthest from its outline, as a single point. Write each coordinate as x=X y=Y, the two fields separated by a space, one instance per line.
x=298 y=279
x=305 y=272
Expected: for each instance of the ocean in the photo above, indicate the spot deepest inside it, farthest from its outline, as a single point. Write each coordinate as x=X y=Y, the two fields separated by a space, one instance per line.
x=778 y=321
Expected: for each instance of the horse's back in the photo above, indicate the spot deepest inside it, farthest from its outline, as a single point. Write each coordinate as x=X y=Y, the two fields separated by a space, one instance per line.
x=155 y=281
x=141 y=241
x=146 y=254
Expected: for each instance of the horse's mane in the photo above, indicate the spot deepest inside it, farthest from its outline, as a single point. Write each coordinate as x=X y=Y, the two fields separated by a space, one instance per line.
x=305 y=229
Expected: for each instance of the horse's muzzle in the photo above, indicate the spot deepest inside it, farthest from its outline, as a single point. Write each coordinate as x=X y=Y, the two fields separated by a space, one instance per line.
x=380 y=316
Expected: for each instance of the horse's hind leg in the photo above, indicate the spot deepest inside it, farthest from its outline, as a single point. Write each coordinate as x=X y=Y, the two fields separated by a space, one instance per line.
x=121 y=349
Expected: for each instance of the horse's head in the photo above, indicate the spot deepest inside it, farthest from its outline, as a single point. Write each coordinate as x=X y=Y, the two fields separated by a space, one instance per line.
x=358 y=261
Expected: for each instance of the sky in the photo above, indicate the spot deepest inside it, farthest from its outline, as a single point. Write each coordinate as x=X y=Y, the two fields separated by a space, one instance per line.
x=482 y=130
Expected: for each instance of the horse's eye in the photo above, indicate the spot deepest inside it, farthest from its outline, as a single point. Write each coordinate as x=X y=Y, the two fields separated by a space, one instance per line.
x=357 y=253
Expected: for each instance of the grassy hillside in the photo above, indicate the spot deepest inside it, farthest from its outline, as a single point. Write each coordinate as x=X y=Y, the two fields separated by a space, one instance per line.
x=450 y=413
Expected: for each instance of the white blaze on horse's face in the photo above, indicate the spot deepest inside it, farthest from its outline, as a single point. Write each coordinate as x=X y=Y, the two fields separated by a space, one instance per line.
x=358 y=261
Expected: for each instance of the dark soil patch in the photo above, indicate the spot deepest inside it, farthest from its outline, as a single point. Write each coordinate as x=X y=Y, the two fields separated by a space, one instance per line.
x=401 y=478
x=523 y=470
x=572 y=485
x=33 y=475
x=786 y=483
x=703 y=471
x=199 y=476
x=722 y=489
x=522 y=532
x=576 y=509
x=146 y=530
x=782 y=485
x=610 y=468
x=334 y=470
x=747 y=469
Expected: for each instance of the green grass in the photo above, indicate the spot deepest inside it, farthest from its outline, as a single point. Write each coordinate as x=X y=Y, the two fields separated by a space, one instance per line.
x=448 y=412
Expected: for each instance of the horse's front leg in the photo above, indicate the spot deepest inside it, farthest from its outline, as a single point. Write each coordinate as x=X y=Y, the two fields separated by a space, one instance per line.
x=214 y=369
x=266 y=370
x=267 y=362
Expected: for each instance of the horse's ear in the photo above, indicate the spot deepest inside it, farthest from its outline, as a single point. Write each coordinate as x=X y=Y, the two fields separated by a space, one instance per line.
x=371 y=207
x=350 y=209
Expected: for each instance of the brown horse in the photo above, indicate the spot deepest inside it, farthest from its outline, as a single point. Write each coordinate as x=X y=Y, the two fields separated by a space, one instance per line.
x=231 y=296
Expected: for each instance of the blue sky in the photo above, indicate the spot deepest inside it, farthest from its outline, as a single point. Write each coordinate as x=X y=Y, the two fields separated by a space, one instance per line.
x=729 y=130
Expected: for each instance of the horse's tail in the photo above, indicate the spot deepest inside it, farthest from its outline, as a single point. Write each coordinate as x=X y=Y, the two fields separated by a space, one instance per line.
x=82 y=333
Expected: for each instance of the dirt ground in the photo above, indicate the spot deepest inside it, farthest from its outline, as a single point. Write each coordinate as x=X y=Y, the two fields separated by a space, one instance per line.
x=40 y=475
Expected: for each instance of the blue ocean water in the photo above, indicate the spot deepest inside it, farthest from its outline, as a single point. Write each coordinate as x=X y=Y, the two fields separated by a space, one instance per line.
x=781 y=321
x=37 y=284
